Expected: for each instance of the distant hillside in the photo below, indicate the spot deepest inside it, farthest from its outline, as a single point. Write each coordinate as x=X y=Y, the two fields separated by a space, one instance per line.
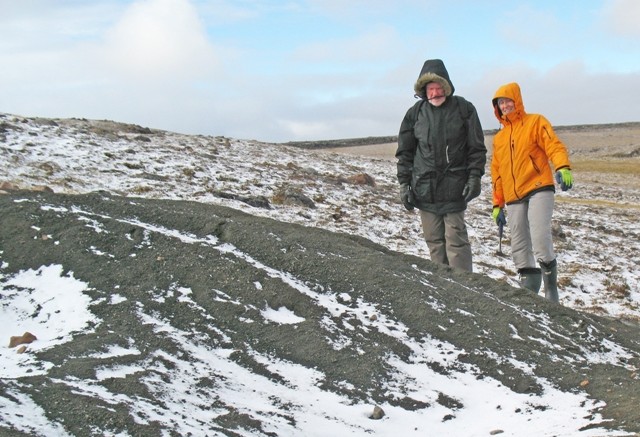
x=351 y=142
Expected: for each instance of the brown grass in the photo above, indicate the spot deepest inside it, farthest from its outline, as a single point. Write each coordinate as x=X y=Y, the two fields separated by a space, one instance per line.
x=628 y=166
x=597 y=202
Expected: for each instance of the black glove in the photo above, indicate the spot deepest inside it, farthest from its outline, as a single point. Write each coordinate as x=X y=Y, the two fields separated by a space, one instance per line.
x=406 y=196
x=472 y=188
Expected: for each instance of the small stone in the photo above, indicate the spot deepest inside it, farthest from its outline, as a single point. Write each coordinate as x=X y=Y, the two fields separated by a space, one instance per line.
x=496 y=432
x=42 y=188
x=25 y=338
x=362 y=179
x=22 y=349
x=584 y=383
x=8 y=186
x=378 y=413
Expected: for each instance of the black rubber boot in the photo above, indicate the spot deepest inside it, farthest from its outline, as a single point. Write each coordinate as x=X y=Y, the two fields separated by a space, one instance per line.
x=530 y=278
x=550 y=278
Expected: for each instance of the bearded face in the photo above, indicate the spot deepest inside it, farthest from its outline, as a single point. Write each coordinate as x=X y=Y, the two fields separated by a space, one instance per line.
x=435 y=93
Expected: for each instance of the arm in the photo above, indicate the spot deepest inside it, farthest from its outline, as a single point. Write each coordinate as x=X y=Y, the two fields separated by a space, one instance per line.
x=407 y=144
x=477 y=151
x=552 y=146
x=496 y=179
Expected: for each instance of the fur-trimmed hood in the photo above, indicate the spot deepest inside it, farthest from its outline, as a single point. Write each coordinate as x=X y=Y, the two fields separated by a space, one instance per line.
x=433 y=70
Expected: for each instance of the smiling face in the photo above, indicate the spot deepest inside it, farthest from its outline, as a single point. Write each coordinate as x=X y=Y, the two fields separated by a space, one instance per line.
x=506 y=105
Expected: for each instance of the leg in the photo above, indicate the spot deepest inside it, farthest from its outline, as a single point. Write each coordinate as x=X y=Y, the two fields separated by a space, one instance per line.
x=550 y=278
x=433 y=229
x=521 y=246
x=540 y=213
x=530 y=278
x=457 y=241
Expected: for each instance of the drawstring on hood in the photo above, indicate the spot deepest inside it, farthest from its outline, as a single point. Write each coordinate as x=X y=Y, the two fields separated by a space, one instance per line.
x=433 y=70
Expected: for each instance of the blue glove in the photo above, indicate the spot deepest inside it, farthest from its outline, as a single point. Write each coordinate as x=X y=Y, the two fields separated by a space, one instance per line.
x=564 y=178
x=498 y=216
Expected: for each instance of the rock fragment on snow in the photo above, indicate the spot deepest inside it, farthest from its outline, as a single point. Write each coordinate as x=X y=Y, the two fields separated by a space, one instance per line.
x=25 y=338
x=362 y=179
x=8 y=186
x=378 y=413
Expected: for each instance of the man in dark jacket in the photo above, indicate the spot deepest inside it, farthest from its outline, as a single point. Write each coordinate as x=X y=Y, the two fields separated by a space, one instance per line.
x=441 y=158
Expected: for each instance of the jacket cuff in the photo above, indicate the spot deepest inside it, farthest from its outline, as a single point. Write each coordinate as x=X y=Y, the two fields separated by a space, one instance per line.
x=475 y=172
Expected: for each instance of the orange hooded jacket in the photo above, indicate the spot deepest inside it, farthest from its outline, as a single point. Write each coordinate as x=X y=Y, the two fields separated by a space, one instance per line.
x=522 y=150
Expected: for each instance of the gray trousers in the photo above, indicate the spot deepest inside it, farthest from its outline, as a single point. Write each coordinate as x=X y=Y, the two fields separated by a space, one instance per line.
x=530 y=226
x=447 y=239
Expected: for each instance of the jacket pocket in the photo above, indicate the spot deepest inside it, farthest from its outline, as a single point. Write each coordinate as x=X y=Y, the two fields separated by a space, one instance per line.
x=423 y=189
x=453 y=185
x=536 y=167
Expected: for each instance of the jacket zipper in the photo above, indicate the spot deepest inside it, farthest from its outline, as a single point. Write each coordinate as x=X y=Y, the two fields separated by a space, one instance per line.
x=512 y=146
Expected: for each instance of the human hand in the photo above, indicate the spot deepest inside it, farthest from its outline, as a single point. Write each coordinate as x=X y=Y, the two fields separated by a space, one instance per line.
x=499 y=216
x=564 y=178
x=406 y=197
x=472 y=188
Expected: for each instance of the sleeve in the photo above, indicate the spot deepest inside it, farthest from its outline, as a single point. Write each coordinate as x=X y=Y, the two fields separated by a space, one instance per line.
x=407 y=144
x=496 y=178
x=477 y=151
x=552 y=146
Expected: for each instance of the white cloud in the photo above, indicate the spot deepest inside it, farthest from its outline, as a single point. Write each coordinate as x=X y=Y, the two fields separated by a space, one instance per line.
x=159 y=39
x=374 y=45
x=622 y=17
x=567 y=94
x=529 y=28
x=340 y=9
x=277 y=71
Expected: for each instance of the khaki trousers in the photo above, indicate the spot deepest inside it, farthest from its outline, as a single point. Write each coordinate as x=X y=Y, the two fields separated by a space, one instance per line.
x=530 y=226
x=447 y=239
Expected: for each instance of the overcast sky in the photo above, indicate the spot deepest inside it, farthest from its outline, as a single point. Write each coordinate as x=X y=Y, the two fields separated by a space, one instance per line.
x=312 y=69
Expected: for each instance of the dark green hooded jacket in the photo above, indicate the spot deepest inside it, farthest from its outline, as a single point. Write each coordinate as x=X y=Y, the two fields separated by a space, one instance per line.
x=439 y=147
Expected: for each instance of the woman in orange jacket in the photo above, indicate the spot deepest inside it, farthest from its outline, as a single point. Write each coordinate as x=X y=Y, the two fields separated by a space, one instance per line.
x=524 y=150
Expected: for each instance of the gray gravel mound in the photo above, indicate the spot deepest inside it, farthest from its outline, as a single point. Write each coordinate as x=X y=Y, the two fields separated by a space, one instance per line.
x=220 y=254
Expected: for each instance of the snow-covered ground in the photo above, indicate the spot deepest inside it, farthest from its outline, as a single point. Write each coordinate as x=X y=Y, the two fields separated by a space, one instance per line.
x=597 y=243
x=597 y=231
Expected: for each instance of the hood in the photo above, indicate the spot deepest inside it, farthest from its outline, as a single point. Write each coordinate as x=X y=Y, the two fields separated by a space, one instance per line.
x=510 y=91
x=433 y=70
